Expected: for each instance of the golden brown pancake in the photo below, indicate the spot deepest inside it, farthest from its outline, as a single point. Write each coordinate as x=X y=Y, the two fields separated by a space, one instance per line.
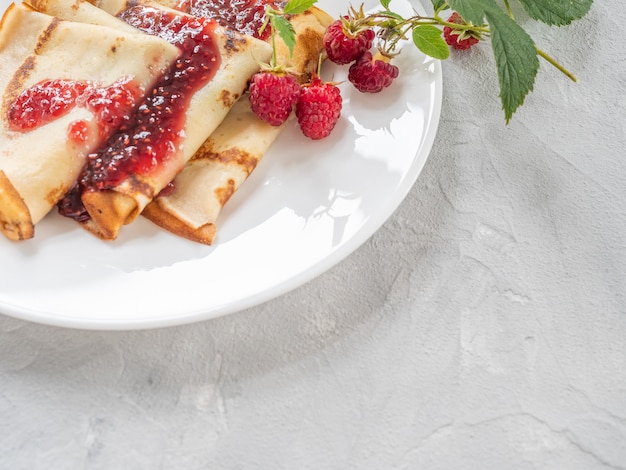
x=38 y=164
x=216 y=171
x=232 y=152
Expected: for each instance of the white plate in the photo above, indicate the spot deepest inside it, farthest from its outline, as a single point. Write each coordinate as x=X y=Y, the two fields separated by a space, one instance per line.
x=306 y=207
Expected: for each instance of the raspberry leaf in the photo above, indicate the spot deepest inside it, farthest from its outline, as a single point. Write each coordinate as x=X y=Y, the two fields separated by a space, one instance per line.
x=439 y=5
x=516 y=59
x=385 y=4
x=285 y=30
x=294 y=7
x=428 y=39
x=556 y=12
x=391 y=15
x=472 y=10
x=281 y=25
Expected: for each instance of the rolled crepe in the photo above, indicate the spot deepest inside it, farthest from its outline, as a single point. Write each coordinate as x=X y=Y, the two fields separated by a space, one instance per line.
x=40 y=159
x=218 y=168
x=112 y=201
x=191 y=208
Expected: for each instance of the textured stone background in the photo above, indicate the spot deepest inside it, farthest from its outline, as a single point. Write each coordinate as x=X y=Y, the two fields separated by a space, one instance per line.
x=484 y=326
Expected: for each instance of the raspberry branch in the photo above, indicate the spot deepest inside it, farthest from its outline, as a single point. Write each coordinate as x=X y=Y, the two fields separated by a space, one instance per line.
x=368 y=43
x=469 y=22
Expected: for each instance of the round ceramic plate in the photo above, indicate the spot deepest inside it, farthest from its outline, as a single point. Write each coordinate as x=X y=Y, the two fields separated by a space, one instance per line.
x=306 y=207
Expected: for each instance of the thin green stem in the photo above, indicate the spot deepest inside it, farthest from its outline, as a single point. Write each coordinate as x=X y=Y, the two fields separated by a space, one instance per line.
x=465 y=27
x=418 y=20
x=274 y=55
x=555 y=64
x=508 y=9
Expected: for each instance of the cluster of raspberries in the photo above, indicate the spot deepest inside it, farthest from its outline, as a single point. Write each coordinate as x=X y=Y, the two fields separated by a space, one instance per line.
x=368 y=73
x=274 y=94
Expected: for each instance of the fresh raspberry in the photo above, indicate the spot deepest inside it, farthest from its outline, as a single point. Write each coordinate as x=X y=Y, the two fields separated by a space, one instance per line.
x=343 y=46
x=273 y=96
x=318 y=108
x=372 y=74
x=458 y=39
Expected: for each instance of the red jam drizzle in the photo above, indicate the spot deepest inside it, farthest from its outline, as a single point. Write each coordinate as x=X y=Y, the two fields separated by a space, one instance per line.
x=244 y=16
x=78 y=131
x=43 y=103
x=156 y=131
x=49 y=100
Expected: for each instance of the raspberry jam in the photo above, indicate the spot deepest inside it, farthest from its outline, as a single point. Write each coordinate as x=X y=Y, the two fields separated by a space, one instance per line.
x=78 y=132
x=42 y=103
x=49 y=100
x=244 y=16
x=155 y=132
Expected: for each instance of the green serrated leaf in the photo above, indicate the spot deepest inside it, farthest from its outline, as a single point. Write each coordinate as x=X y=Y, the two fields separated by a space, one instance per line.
x=385 y=4
x=516 y=59
x=438 y=5
x=428 y=39
x=556 y=12
x=472 y=10
x=285 y=30
x=295 y=7
x=392 y=14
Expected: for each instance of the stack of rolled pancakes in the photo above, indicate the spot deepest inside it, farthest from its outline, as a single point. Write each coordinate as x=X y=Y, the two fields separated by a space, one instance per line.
x=220 y=144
